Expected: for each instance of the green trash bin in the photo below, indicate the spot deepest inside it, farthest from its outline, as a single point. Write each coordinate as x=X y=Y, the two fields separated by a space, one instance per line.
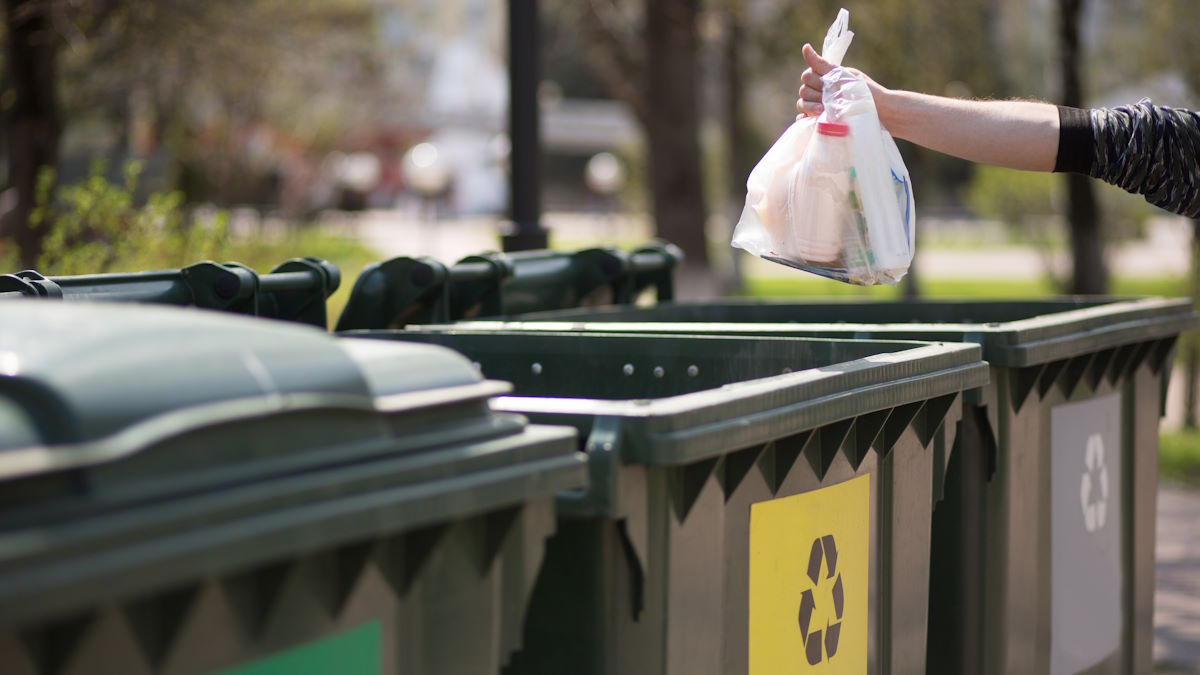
x=822 y=457
x=189 y=492
x=1043 y=556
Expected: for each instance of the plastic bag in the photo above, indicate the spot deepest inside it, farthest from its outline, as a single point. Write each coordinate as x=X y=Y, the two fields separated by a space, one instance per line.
x=832 y=196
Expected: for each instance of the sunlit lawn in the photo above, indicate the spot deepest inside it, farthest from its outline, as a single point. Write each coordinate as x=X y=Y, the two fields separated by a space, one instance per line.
x=780 y=287
x=1179 y=456
x=348 y=254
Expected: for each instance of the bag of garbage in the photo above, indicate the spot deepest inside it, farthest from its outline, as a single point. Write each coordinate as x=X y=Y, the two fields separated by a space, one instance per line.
x=832 y=195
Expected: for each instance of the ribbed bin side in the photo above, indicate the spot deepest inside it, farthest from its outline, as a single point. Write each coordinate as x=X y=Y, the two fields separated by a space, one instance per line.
x=663 y=585
x=446 y=598
x=1046 y=538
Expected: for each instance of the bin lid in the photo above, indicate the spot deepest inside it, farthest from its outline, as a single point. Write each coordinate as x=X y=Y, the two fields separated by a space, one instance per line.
x=82 y=372
x=147 y=446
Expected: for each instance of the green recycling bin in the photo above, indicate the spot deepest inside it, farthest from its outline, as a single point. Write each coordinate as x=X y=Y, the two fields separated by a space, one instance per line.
x=190 y=492
x=1043 y=558
x=755 y=504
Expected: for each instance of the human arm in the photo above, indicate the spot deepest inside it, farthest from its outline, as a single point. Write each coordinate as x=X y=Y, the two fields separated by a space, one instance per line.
x=1150 y=150
x=1014 y=134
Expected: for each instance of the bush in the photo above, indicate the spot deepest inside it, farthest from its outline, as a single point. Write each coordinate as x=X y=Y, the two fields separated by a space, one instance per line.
x=97 y=226
x=1026 y=201
x=1179 y=456
x=1022 y=200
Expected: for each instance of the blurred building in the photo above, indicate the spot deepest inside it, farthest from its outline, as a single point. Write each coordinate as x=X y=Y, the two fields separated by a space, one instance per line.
x=455 y=53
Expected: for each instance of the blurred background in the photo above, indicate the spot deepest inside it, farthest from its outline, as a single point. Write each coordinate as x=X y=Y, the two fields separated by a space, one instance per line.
x=144 y=134
x=382 y=126
x=154 y=133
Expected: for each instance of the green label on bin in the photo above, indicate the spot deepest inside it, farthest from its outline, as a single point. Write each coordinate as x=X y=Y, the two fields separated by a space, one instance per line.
x=354 y=652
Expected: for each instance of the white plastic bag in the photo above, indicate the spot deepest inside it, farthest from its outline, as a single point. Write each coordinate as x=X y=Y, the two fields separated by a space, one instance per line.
x=832 y=196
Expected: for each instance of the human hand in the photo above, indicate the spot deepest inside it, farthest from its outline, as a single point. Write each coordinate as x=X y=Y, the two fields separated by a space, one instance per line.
x=809 y=103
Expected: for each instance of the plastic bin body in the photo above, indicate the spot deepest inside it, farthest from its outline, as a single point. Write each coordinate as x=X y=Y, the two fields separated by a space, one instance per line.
x=1043 y=557
x=189 y=492
x=693 y=461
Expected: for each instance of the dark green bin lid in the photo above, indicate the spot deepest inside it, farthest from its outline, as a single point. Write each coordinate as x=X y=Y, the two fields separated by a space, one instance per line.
x=144 y=446
x=83 y=373
x=1013 y=333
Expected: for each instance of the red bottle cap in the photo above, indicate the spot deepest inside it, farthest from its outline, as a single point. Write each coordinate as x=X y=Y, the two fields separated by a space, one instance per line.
x=833 y=128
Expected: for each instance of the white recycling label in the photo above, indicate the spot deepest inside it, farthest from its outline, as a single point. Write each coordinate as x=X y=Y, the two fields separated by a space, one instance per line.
x=1093 y=489
x=1086 y=621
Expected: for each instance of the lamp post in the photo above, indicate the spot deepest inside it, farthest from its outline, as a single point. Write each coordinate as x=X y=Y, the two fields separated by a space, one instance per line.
x=526 y=231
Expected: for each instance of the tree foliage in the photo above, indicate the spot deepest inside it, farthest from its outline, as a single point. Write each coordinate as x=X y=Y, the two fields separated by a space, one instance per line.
x=98 y=226
x=919 y=46
x=205 y=72
x=197 y=74
x=1168 y=40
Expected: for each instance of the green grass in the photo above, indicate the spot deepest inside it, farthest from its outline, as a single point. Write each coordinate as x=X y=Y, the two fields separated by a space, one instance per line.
x=1179 y=456
x=778 y=287
x=261 y=254
x=264 y=253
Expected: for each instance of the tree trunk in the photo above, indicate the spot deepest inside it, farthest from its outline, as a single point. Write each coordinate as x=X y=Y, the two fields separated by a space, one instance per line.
x=741 y=161
x=1191 y=342
x=672 y=105
x=741 y=157
x=1089 y=274
x=32 y=121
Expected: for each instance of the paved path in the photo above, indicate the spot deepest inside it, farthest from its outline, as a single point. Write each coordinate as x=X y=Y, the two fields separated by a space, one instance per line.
x=1177 y=581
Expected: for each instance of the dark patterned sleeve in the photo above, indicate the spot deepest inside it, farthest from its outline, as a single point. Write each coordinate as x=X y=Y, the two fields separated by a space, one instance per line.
x=1145 y=149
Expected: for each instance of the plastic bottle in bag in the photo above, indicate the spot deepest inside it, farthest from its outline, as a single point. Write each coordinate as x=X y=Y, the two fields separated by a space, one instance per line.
x=821 y=184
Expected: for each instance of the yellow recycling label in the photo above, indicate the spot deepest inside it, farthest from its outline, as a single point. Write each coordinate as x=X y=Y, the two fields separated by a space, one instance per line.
x=808 y=581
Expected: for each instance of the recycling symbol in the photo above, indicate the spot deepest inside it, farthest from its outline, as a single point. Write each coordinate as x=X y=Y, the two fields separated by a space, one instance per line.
x=1093 y=490
x=821 y=642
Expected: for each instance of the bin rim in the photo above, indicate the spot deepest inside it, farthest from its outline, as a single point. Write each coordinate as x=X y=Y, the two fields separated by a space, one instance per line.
x=699 y=425
x=706 y=424
x=1023 y=342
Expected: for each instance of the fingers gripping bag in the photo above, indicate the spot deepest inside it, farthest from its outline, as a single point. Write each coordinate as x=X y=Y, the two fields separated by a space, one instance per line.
x=832 y=196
